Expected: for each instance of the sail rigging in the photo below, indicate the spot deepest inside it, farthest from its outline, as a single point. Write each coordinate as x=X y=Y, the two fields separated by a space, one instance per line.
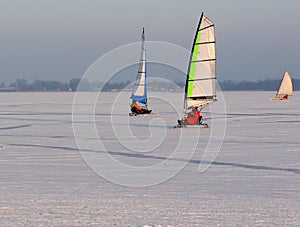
x=200 y=88
x=140 y=90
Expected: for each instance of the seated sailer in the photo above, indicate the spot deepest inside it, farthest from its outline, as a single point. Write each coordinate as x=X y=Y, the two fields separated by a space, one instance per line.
x=137 y=109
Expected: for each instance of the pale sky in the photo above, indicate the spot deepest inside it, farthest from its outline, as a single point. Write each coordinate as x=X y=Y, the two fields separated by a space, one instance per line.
x=60 y=39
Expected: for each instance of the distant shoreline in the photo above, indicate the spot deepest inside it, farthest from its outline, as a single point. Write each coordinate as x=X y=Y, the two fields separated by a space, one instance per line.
x=22 y=85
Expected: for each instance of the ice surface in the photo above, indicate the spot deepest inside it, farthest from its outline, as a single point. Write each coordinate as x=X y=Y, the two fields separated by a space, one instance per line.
x=45 y=180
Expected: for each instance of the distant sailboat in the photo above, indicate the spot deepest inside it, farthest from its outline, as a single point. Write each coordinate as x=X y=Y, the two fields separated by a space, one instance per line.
x=139 y=95
x=285 y=88
x=200 y=87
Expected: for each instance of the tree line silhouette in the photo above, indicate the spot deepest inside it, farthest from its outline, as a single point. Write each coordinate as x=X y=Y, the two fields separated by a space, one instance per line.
x=40 y=85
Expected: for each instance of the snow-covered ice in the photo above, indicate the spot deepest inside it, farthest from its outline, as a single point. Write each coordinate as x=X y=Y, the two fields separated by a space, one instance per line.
x=45 y=181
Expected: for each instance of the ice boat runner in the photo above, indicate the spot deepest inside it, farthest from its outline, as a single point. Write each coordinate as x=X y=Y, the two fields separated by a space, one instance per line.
x=139 y=104
x=200 y=87
x=285 y=88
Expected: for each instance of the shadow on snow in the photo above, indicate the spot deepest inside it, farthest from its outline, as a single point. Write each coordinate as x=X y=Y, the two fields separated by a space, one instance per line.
x=148 y=156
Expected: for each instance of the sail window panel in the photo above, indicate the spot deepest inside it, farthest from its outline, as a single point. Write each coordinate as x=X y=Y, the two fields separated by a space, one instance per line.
x=202 y=88
x=201 y=83
x=207 y=35
x=206 y=52
x=206 y=22
x=207 y=31
x=204 y=70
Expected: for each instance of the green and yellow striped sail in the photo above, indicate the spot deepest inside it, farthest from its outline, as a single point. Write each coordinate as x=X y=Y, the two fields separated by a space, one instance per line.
x=201 y=78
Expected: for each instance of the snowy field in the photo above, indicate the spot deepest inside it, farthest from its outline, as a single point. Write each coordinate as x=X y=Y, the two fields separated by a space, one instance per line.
x=137 y=171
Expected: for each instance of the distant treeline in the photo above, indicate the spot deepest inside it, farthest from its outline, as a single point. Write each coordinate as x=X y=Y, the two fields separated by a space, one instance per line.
x=263 y=85
x=39 y=85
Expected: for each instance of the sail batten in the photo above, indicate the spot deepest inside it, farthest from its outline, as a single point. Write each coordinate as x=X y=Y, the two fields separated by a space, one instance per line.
x=203 y=60
x=201 y=29
x=204 y=43
x=204 y=79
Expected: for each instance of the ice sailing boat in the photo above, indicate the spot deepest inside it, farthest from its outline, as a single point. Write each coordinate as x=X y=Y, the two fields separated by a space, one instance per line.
x=200 y=87
x=139 y=104
x=285 y=88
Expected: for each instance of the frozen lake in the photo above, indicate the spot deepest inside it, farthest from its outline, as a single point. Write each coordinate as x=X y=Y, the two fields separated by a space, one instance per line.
x=136 y=171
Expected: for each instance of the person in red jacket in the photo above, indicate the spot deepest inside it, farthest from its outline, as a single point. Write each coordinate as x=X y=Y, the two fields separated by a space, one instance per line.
x=286 y=97
x=193 y=118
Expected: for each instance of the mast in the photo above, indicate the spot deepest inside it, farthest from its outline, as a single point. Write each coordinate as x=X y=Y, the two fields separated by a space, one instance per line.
x=191 y=57
x=143 y=60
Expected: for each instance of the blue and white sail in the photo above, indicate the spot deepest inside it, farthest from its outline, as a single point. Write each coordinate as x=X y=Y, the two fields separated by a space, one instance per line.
x=140 y=90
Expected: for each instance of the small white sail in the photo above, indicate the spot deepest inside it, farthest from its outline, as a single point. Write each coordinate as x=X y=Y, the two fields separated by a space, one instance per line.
x=285 y=88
